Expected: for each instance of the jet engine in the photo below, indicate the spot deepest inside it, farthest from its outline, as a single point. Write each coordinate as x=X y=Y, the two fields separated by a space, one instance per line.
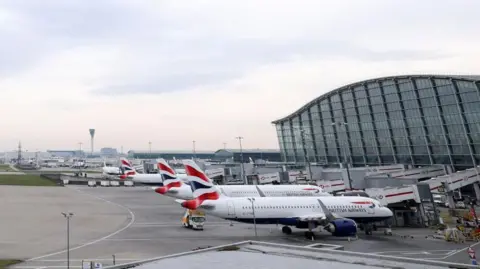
x=342 y=227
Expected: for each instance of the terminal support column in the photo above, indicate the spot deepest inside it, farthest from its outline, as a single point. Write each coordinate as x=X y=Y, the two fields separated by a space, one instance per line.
x=476 y=188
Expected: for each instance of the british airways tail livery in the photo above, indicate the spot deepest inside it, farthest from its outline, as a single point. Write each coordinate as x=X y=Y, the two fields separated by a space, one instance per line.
x=170 y=178
x=127 y=167
x=144 y=179
x=182 y=189
x=337 y=215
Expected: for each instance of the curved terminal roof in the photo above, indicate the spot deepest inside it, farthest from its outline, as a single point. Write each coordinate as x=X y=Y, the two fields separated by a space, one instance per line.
x=471 y=78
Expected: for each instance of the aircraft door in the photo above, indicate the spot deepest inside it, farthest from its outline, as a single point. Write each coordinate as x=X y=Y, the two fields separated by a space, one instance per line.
x=231 y=208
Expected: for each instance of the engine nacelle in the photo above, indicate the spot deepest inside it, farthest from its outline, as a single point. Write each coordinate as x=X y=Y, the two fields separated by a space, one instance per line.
x=342 y=227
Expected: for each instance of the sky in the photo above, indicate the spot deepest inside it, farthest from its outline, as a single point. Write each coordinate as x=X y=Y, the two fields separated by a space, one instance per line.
x=171 y=71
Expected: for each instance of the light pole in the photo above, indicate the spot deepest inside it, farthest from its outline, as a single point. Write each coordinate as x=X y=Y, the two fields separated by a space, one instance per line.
x=241 y=159
x=194 y=151
x=150 y=148
x=252 y=200
x=68 y=216
x=224 y=146
x=81 y=158
x=307 y=162
x=344 y=150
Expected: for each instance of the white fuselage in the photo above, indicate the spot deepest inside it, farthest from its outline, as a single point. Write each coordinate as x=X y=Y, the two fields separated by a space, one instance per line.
x=270 y=210
x=111 y=170
x=185 y=191
x=152 y=179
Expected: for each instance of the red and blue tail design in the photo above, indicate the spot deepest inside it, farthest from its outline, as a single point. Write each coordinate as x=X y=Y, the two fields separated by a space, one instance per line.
x=127 y=167
x=202 y=187
x=170 y=179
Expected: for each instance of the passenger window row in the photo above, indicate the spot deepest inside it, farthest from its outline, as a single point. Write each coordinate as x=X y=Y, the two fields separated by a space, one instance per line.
x=282 y=206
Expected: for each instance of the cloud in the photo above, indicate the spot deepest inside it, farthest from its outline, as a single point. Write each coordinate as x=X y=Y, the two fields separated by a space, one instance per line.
x=171 y=71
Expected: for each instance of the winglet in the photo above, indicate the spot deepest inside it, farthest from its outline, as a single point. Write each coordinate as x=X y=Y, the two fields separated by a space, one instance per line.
x=329 y=215
x=260 y=191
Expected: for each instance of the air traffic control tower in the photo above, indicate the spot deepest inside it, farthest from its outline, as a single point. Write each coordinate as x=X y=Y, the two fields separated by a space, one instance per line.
x=92 y=136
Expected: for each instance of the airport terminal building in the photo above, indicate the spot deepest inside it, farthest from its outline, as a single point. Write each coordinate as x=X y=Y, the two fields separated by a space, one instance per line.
x=413 y=119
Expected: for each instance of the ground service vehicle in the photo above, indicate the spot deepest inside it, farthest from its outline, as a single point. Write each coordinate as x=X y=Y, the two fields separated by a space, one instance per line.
x=193 y=219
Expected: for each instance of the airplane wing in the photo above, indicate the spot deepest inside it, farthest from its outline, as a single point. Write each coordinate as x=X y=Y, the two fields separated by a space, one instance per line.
x=324 y=216
x=260 y=191
x=318 y=217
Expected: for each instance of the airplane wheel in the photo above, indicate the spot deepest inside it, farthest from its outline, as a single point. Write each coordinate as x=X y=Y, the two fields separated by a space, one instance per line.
x=286 y=230
x=309 y=235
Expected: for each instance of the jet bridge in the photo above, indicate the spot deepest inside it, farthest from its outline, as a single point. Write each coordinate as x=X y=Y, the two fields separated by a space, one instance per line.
x=392 y=195
x=331 y=186
x=419 y=173
x=455 y=180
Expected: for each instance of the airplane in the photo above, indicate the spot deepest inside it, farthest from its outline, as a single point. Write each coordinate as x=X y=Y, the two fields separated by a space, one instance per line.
x=144 y=179
x=109 y=171
x=337 y=215
x=178 y=187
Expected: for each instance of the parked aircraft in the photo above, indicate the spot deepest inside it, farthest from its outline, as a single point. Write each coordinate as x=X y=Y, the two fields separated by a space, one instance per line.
x=111 y=171
x=145 y=179
x=337 y=215
x=178 y=187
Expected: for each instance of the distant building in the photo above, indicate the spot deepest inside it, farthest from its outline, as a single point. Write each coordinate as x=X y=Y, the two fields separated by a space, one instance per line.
x=272 y=155
x=170 y=154
x=66 y=153
x=108 y=152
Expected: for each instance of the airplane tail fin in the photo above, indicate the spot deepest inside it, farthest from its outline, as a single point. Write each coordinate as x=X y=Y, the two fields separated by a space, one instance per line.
x=170 y=179
x=202 y=186
x=127 y=168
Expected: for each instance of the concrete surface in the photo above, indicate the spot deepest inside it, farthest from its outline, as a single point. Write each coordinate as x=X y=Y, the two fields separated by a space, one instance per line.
x=155 y=230
x=32 y=225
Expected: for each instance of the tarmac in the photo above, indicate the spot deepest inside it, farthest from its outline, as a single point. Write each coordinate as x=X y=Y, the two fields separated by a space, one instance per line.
x=135 y=223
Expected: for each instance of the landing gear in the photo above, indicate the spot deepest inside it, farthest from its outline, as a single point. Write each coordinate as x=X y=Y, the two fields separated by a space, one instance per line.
x=310 y=235
x=368 y=229
x=286 y=230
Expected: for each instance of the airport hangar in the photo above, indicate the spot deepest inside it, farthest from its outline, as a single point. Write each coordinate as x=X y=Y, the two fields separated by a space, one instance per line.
x=429 y=121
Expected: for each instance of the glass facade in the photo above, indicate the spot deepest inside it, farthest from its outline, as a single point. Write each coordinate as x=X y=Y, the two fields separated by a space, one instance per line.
x=419 y=120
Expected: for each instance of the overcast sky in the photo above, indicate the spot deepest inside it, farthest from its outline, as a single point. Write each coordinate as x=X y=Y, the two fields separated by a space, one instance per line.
x=175 y=71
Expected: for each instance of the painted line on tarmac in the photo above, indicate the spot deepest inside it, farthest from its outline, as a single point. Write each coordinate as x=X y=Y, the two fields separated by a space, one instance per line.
x=86 y=259
x=460 y=250
x=170 y=224
x=406 y=252
x=43 y=267
x=132 y=220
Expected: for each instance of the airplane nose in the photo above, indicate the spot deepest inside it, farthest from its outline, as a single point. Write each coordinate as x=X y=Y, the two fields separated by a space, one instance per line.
x=388 y=212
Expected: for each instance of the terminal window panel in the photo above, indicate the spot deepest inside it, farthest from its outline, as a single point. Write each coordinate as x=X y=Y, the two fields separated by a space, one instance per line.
x=426 y=92
x=462 y=160
x=471 y=107
x=476 y=148
x=475 y=138
x=403 y=158
x=421 y=159
x=423 y=83
x=445 y=90
x=460 y=149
